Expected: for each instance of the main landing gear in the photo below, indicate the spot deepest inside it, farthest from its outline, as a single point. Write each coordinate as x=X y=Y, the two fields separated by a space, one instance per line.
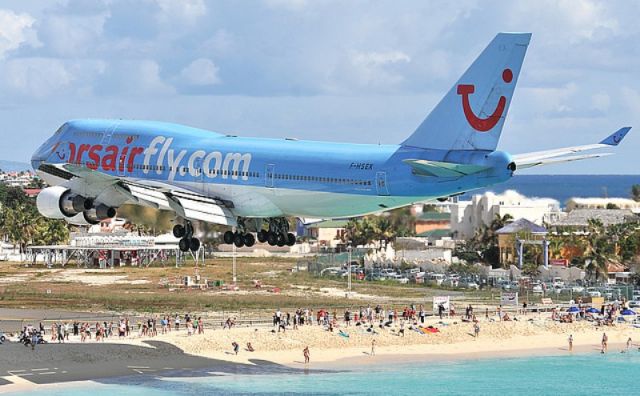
x=187 y=241
x=277 y=234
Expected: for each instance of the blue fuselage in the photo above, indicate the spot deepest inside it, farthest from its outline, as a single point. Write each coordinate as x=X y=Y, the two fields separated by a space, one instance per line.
x=265 y=177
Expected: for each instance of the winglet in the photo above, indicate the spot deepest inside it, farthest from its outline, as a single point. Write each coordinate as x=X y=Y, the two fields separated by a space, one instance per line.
x=615 y=138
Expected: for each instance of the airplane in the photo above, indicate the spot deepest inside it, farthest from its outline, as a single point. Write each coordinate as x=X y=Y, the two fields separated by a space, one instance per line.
x=254 y=184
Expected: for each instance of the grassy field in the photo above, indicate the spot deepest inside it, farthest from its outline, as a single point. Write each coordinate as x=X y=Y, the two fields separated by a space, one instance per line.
x=156 y=289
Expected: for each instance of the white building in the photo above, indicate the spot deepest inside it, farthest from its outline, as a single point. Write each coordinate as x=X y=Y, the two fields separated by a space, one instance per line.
x=601 y=203
x=469 y=216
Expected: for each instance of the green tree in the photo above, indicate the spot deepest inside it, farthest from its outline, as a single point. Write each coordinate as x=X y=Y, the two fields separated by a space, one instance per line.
x=530 y=269
x=635 y=192
x=485 y=240
x=598 y=250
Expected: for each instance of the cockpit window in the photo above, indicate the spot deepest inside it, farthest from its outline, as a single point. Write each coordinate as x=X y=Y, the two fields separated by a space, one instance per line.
x=61 y=129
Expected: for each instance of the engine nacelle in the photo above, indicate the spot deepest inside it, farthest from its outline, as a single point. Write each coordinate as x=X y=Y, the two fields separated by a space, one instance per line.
x=99 y=213
x=81 y=219
x=59 y=202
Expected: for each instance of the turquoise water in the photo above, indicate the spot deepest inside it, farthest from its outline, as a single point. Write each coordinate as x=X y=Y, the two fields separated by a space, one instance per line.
x=587 y=374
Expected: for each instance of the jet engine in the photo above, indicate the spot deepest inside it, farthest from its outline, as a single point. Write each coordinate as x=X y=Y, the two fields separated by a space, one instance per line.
x=58 y=202
x=92 y=216
x=81 y=219
x=61 y=203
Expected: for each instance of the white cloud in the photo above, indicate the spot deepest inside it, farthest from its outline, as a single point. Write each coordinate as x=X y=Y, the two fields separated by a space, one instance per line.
x=600 y=101
x=201 y=72
x=15 y=30
x=292 y=5
x=38 y=77
x=185 y=10
x=373 y=58
x=376 y=68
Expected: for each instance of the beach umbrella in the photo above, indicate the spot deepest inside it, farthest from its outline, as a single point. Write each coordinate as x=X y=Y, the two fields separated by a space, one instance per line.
x=573 y=309
x=627 y=312
x=593 y=310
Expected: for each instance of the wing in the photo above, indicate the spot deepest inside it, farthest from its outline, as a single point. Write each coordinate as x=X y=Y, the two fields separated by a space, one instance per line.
x=184 y=203
x=528 y=160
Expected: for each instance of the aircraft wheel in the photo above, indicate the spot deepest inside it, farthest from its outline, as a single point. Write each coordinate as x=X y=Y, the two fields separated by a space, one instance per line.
x=184 y=245
x=249 y=240
x=238 y=240
x=179 y=231
x=228 y=237
x=272 y=238
x=282 y=240
x=291 y=239
x=262 y=236
x=194 y=244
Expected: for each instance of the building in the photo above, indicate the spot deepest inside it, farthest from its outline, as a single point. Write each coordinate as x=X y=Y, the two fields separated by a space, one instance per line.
x=328 y=233
x=481 y=210
x=432 y=221
x=514 y=238
x=578 y=219
x=603 y=203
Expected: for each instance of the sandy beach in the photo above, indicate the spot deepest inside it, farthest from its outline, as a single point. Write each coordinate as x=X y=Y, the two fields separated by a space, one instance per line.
x=177 y=353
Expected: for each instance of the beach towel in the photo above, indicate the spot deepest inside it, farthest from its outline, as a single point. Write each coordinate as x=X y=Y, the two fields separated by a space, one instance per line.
x=343 y=334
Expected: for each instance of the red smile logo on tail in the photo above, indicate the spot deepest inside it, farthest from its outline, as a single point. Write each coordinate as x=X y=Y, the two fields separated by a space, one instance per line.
x=483 y=124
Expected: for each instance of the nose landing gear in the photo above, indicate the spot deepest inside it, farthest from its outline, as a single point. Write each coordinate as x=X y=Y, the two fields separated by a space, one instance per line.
x=187 y=241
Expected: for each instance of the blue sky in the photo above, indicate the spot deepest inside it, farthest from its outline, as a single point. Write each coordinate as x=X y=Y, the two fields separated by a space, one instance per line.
x=356 y=71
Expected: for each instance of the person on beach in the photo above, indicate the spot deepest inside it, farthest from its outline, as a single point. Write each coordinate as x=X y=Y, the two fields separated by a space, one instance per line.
x=250 y=347
x=570 y=342
x=236 y=347
x=402 y=328
x=305 y=352
x=629 y=343
x=200 y=325
x=373 y=347
x=476 y=330
x=605 y=339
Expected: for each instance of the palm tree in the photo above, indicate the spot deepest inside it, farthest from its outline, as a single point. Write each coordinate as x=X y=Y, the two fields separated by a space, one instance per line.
x=635 y=192
x=596 y=254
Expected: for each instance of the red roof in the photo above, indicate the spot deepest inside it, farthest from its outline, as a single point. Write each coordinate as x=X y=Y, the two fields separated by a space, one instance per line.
x=32 y=192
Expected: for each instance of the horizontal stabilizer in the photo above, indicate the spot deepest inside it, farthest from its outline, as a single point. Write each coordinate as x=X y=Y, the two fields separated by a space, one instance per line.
x=443 y=169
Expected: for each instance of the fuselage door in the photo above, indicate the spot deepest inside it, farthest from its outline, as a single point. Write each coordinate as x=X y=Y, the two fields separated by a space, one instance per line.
x=198 y=172
x=381 y=183
x=269 y=175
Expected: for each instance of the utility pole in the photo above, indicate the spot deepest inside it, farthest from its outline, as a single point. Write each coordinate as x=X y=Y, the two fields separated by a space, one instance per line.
x=234 y=264
x=349 y=268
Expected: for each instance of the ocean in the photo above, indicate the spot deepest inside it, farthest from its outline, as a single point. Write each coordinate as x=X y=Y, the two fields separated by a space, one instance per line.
x=563 y=187
x=567 y=375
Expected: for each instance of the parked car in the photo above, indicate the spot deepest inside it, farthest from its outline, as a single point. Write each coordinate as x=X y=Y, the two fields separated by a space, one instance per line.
x=469 y=285
x=3 y=338
x=537 y=289
x=593 y=292
x=577 y=289
x=634 y=304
